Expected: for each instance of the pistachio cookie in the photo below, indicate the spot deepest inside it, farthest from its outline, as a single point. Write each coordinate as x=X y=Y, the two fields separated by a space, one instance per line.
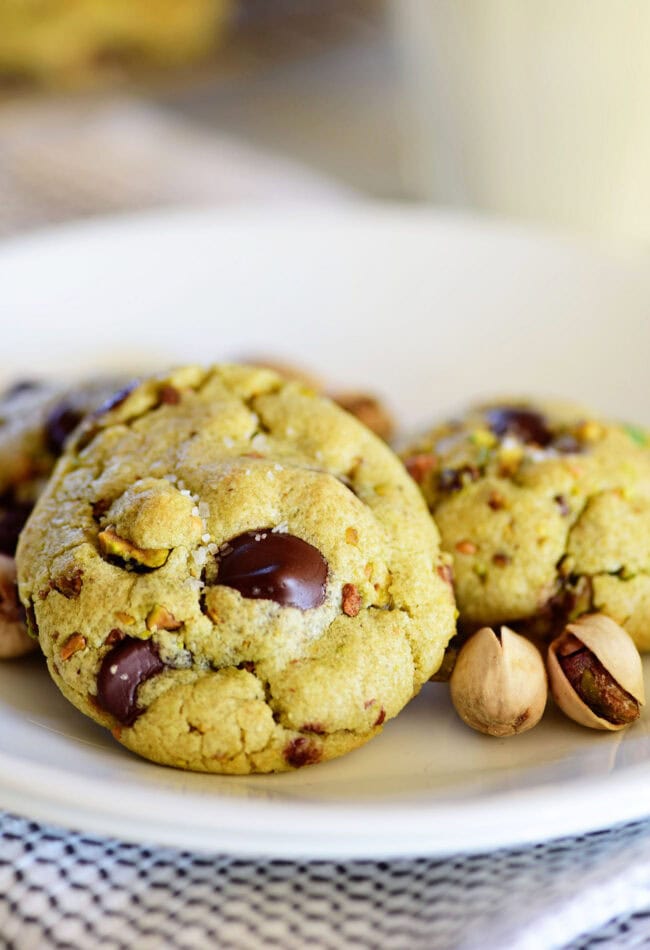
x=35 y=421
x=234 y=575
x=367 y=407
x=546 y=512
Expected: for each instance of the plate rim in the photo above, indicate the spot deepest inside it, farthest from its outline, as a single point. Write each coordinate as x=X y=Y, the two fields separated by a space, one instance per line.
x=245 y=826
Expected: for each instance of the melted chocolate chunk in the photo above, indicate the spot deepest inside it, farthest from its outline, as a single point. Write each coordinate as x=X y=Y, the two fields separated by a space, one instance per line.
x=123 y=669
x=59 y=425
x=523 y=424
x=12 y=521
x=273 y=566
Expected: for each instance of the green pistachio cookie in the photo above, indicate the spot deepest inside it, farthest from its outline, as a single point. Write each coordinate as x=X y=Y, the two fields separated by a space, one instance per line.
x=546 y=512
x=234 y=575
x=35 y=421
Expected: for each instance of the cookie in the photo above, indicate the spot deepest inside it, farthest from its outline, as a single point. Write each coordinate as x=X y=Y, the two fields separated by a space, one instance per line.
x=36 y=418
x=367 y=407
x=546 y=512
x=234 y=575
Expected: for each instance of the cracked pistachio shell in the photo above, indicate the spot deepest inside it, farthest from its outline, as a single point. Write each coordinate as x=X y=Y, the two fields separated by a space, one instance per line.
x=498 y=685
x=617 y=653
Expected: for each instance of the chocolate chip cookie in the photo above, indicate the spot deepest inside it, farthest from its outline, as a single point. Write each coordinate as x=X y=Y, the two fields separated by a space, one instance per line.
x=234 y=575
x=546 y=512
x=36 y=418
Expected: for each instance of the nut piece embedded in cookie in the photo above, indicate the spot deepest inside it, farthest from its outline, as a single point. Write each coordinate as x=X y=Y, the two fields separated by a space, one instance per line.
x=595 y=673
x=14 y=639
x=498 y=684
x=112 y=545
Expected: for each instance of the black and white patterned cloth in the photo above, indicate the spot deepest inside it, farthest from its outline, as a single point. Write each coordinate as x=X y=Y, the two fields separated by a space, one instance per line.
x=61 y=889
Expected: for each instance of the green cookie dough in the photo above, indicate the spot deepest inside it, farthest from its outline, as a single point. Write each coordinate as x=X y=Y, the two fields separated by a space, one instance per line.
x=234 y=575
x=546 y=512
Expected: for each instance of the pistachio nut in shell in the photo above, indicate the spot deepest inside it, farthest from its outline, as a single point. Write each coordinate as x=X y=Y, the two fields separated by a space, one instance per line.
x=498 y=684
x=595 y=673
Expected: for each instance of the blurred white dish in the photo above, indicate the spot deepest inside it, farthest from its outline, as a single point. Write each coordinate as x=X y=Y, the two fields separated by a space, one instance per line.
x=429 y=311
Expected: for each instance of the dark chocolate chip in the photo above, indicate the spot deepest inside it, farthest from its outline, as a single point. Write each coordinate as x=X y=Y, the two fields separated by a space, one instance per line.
x=273 y=566
x=123 y=669
x=525 y=424
x=12 y=522
x=59 y=425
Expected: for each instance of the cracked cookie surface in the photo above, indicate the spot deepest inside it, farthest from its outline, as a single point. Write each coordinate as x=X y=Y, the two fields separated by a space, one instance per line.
x=546 y=512
x=234 y=575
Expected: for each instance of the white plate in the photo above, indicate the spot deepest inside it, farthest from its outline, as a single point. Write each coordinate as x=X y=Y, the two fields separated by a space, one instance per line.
x=428 y=310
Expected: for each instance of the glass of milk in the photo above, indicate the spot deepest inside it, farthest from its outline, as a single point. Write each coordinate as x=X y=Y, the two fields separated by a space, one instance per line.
x=533 y=109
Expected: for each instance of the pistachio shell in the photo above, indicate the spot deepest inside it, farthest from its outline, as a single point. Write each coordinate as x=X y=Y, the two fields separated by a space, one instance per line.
x=498 y=685
x=615 y=650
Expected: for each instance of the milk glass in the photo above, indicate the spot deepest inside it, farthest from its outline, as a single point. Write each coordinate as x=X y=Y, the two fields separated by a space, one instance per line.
x=534 y=109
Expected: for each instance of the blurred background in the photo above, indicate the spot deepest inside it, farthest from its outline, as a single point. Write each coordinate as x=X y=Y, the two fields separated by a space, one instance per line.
x=534 y=112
